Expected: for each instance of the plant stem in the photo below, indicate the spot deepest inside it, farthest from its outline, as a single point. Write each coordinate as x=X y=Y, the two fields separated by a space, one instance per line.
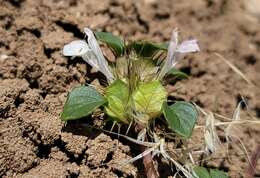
x=150 y=169
x=149 y=166
x=250 y=172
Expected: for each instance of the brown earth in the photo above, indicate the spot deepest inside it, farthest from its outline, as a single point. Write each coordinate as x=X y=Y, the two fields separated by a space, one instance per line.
x=35 y=79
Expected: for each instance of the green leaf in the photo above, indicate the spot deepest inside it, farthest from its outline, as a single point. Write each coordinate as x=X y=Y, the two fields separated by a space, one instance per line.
x=177 y=74
x=81 y=102
x=149 y=98
x=201 y=172
x=214 y=173
x=147 y=49
x=112 y=41
x=181 y=117
x=117 y=97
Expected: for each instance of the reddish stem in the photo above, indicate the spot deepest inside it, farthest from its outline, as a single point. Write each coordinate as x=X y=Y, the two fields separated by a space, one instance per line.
x=250 y=172
x=149 y=166
x=150 y=169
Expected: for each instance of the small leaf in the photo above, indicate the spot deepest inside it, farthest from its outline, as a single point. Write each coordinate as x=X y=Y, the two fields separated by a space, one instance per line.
x=117 y=97
x=149 y=98
x=81 y=102
x=112 y=41
x=201 y=172
x=177 y=74
x=181 y=117
x=214 y=173
x=147 y=49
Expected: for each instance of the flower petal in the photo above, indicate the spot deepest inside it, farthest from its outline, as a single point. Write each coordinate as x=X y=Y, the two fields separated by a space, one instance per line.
x=188 y=46
x=170 y=60
x=76 y=48
x=101 y=61
x=91 y=59
x=172 y=46
x=177 y=52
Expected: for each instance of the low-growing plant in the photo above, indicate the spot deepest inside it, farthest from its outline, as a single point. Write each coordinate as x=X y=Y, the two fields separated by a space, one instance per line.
x=135 y=94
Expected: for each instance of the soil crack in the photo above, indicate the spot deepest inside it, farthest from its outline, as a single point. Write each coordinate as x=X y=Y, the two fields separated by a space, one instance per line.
x=68 y=27
x=16 y=3
x=72 y=158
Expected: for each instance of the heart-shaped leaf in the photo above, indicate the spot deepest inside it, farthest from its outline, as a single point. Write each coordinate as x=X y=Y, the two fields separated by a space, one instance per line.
x=147 y=49
x=81 y=102
x=149 y=98
x=214 y=173
x=177 y=74
x=112 y=41
x=181 y=117
x=117 y=97
x=202 y=172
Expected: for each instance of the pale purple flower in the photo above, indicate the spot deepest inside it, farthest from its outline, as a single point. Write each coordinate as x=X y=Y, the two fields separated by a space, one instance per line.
x=90 y=52
x=176 y=52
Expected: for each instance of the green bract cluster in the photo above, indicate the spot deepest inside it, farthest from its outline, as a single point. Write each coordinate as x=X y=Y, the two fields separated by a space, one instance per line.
x=136 y=87
x=143 y=104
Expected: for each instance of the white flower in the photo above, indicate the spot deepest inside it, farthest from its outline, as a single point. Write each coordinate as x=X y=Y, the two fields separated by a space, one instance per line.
x=90 y=52
x=177 y=52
